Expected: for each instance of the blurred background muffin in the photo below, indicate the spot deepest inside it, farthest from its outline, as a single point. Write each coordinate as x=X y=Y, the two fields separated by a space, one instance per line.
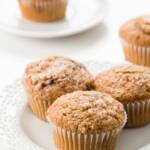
x=49 y=78
x=43 y=10
x=135 y=37
x=129 y=84
x=86 y=120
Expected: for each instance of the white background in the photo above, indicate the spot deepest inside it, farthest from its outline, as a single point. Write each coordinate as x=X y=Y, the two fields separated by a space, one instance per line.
x=101 y=43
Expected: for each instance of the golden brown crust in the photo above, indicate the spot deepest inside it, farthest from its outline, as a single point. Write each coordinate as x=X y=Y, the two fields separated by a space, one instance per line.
x=87 y=112
x=125 y=83
x=43 y=10
x=54 y=76
x=137 y=31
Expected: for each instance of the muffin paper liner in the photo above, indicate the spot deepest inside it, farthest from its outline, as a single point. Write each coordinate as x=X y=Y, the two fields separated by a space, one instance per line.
x=39 y=108
x=139 y=55
x=43 y=11
x=68 y=140
x=138 y=113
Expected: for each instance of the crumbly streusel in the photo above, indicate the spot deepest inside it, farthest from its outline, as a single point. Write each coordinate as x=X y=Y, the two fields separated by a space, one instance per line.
x=125 y=83
x=54 y=76
x=87 y=112
x=137 y=31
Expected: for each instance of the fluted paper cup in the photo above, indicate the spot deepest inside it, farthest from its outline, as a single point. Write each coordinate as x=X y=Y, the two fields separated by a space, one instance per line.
x=39 y=107
x=43 y=10
x=139 y=55
x=138 y=113
x=68 y=140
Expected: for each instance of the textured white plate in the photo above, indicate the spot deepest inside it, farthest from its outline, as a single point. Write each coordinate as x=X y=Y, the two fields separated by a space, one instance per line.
x=81 y=15
x=21 y=130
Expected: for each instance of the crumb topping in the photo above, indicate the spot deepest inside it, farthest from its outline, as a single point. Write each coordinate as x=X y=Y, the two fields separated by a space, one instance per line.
x=144 y=24
x=55 y=76
x=125 y=83
x=87 y=111
x=137 y=31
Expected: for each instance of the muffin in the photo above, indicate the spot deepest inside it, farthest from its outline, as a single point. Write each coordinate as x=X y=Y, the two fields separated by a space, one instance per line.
x=135 y=37
x=129 y=84
x=86 y=120
x=49 y=78
x=43 y=10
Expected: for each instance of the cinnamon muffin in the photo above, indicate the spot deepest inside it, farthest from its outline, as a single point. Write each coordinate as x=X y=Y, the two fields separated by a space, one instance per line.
x=43 y=10
x=135 y=37
x=49 y=78
x=85 y=120
x=129 y=84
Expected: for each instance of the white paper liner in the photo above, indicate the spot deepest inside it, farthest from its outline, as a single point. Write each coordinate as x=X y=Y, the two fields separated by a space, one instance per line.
x=138 y=113
x=68 y=140
x=137 y=54
x=39 y=107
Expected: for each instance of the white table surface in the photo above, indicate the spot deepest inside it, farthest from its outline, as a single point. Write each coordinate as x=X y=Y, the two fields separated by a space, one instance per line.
x=101 y=43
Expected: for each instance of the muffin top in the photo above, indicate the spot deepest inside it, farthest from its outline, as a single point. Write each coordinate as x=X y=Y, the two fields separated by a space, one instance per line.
x=125 y=83
x=54 y=76
x=87 y=112
x=137 y=31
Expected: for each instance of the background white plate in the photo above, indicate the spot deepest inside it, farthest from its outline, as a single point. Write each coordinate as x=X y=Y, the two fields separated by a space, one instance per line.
x=81 y=15
x=21 y=130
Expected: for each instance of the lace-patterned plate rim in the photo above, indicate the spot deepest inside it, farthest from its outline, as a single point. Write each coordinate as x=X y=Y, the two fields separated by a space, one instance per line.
x=12 y=104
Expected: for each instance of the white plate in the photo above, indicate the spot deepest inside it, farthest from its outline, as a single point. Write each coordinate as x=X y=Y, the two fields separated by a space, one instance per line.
x=81 y=15
x=21 y=130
